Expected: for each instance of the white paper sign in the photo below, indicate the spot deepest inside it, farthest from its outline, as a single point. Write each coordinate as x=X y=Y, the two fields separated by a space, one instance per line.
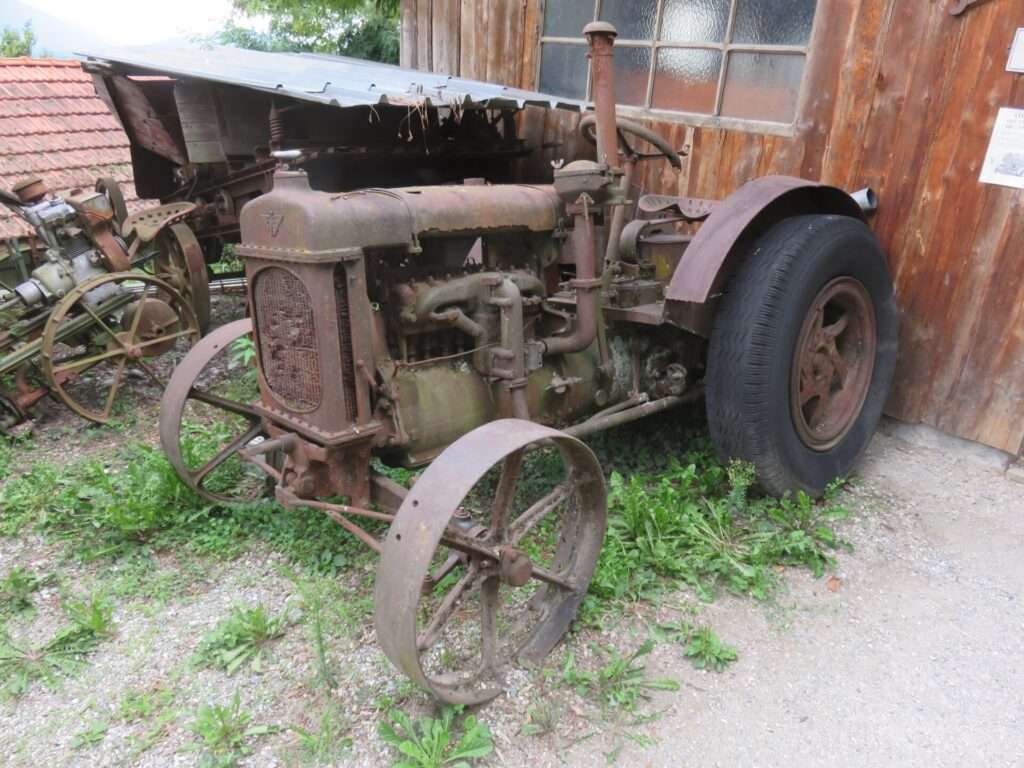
x=1004 y=161
x=1016 y=62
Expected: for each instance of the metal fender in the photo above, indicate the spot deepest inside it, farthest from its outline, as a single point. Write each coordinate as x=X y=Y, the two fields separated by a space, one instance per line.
x=714 y=253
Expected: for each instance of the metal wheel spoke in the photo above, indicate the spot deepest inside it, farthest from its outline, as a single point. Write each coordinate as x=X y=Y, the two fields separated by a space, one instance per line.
x=834 y=330
x=504 y=494
x=103 y=325
x=489 y=606
x=118 y=378
x=88 y=362
x=550 y=577
x=149 y=372
x=225 y=453
x=537 y=511
x=841 y=368
x=223 y=403
x=162 y=339
x=444 y=612
x=137 y=318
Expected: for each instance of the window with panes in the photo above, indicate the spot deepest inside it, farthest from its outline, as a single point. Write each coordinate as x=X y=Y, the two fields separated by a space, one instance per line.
x=740 y=59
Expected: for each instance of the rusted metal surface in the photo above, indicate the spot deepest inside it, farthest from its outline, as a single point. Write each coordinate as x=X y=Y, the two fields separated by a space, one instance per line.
x=149 y=327
x=752 y=208
x=834 y=360
x=332 y=80
x=183 y=389
x=180 y=264
x=424 y=530
x=896 y=95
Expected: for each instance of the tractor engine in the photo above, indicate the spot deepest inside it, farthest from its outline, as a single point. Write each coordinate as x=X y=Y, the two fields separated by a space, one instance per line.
x=394 y=321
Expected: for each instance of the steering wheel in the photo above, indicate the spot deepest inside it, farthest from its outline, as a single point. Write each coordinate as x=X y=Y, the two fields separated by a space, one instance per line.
x=624 y=127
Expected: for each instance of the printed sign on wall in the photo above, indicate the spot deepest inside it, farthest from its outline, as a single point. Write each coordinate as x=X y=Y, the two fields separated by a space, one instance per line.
x=1016 y=62
x=1004 y=161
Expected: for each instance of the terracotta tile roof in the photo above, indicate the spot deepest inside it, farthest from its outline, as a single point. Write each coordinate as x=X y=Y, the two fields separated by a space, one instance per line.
x=52 y=124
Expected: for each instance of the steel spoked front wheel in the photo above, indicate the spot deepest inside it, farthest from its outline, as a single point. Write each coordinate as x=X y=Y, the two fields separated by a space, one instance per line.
x=107 y=327
x=489 y=558
x=207 y=417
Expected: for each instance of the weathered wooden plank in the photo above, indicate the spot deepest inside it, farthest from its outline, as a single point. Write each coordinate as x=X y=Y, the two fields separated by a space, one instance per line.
x=424 y=34
x=407 y=40
x=445 y=34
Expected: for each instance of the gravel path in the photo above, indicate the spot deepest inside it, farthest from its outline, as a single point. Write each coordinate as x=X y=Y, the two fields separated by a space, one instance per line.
x=912 y=655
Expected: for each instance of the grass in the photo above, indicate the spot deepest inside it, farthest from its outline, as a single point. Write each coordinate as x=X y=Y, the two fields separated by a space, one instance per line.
x=699 y=524
x=17 y=588
x=327 y=743
x=435 y=742
x=622 y=683
x=152 y=709
x=64 y=654
x=224 y=734
x=240 y=639
x=701 y=645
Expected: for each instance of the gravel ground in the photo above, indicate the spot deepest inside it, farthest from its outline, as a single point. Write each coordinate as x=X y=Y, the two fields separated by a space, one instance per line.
x=911 y=655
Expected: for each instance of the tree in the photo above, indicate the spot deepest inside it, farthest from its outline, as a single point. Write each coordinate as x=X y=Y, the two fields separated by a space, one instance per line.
x=365 y=29
x=17 y=43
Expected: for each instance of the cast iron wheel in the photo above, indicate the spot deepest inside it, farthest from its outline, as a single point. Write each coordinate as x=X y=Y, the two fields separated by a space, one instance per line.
x=802 y=353
x=179 y=261
x=478 y=572
x=206 y=417
x=86 y=372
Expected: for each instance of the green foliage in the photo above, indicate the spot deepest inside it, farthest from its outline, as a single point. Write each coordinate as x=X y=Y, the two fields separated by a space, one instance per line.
x=91 y=735
x=364 y=29
x=15 y=42
x=699 y=524
x=152 y=708
x=64 y=654
x=240 y=639
x=17 y=588
x=621 y=683
x=6 y=452
x=224 y=733
x=541 y=718
x=431 y=743
x=329 y=742
x=140 y=505
x=707 y=651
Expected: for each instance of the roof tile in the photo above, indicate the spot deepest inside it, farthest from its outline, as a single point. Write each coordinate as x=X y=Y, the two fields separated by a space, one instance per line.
x=54 y=125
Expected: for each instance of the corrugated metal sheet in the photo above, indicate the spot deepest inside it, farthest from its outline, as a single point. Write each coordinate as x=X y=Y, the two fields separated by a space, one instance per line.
x=333 y=80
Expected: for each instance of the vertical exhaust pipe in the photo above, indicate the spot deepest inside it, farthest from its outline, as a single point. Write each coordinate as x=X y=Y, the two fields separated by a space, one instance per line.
x=601 y=39
x=866 y=199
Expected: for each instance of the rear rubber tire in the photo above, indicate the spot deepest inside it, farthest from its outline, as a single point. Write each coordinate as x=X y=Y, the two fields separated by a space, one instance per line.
x=750 y=370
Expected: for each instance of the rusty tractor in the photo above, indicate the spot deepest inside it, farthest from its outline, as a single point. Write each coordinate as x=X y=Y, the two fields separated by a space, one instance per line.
x=98 y=293
x=475 y=328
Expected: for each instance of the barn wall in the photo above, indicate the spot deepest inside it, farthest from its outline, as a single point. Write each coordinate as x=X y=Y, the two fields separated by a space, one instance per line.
x=901 y=96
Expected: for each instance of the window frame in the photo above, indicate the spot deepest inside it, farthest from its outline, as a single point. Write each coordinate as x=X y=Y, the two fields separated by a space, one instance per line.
x=726 y=47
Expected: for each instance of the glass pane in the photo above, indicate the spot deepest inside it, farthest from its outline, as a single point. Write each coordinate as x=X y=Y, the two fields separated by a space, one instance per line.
x=763 y=86
x=694 y=21
x=633 y=19
x=773 y=22
x=632 y=68
x=686 y=80
x=563 y=70
x=566 y=18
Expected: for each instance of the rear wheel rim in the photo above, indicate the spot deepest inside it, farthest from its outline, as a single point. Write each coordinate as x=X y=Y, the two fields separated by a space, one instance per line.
x=833 y=362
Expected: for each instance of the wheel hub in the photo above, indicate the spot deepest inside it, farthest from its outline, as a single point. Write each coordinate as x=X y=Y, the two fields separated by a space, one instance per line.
x=832 y=363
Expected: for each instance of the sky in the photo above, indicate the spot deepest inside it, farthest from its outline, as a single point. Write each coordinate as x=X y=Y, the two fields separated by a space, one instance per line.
x=67 y=25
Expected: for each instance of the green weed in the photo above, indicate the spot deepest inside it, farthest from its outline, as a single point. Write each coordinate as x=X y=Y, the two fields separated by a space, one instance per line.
x=240 y=639
x=151 y=708
x=541 y=719
x=63 y=655
x=328 y=743
x=432 y=743
x=91 y=735
x=224 y=733
x=707 y=651
x=17 y=588
x=621 y=683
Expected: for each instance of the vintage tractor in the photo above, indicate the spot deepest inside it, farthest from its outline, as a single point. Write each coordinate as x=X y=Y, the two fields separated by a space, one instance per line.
x=482 y=328
x=81 y=309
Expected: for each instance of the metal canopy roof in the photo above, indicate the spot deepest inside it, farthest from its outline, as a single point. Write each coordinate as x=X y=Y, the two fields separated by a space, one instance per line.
x=333 y=80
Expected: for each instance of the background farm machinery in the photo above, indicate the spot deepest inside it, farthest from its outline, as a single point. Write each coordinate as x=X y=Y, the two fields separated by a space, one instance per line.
x=99 y=293
x=482 y=327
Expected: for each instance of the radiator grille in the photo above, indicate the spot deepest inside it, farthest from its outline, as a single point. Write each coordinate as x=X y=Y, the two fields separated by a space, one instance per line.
x=287 y=339
x=348 y=369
